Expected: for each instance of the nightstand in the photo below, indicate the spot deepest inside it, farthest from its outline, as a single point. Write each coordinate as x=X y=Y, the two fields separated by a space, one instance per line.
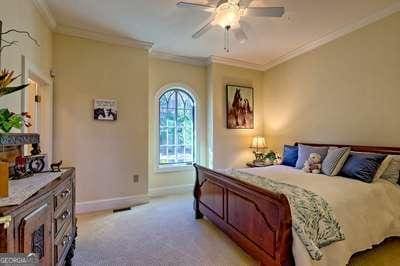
x=253 y=165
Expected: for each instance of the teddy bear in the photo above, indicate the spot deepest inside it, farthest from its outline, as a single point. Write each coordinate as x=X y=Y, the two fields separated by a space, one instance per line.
x=313 y=164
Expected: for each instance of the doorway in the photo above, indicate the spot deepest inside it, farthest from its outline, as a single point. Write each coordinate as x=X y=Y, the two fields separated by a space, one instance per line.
x=38 y=102
x=34 y=106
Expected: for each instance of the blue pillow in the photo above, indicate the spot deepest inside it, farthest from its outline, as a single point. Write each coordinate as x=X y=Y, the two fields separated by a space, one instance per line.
x=362 y=166
x=290 y=155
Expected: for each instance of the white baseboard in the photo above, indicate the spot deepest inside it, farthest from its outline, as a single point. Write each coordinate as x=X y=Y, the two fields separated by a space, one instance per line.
x=110 y=204
x=171 y=190
x=124 y=202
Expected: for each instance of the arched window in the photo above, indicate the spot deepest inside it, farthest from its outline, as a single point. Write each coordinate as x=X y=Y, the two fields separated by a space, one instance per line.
x=176 y=128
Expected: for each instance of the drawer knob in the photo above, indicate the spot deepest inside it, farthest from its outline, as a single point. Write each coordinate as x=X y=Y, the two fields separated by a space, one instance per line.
x=65 y=193
x=65 y=215
x=66 y=240
x=6 y=221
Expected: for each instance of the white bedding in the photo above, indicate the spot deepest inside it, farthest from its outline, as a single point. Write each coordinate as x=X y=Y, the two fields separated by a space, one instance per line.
x=367 y=213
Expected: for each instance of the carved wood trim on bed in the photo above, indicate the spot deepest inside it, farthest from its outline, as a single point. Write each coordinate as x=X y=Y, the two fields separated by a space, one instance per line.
x=258 y=220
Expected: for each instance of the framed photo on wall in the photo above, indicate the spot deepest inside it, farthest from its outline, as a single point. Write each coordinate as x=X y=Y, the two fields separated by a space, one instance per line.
x=239 y=107
x=105 y=110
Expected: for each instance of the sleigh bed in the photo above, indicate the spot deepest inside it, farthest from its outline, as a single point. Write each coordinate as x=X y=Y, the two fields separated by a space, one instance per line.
x=259 y=220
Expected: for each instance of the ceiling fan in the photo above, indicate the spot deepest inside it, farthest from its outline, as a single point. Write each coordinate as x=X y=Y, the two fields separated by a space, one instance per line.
x=228 y=14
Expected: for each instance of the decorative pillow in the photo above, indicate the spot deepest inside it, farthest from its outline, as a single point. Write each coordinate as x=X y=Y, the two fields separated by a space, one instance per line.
x=362 y=166
x=392 y=172
x=305 y=151
x=335 y=160
x=384 y=165
x=290 y=155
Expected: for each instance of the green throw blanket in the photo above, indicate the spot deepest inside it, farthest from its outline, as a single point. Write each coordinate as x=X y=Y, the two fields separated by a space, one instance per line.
x=312 y=218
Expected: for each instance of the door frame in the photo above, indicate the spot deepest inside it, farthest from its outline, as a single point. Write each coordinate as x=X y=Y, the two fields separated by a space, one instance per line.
x=30 y=70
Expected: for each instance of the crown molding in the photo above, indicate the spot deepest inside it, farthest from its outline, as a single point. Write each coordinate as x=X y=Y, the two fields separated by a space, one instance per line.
x=334 y=35
x=234 y=62
x=201 y=61
x=45 y=12
x=196 y=61
x=101 y=37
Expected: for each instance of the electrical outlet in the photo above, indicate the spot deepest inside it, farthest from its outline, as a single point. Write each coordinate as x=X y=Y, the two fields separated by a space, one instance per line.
x=135 y=178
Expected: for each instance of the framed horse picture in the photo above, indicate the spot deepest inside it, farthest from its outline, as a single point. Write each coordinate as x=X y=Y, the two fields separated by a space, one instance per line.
x=239 y=107
x=106 y=110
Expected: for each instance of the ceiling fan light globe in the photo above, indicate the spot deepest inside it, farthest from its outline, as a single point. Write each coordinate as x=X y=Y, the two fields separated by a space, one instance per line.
x=227 y=15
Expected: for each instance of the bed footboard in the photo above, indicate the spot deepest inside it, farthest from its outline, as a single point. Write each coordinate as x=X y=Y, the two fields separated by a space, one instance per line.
x=259 y=221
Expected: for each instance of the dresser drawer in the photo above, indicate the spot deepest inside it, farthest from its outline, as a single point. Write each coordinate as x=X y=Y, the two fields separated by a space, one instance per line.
x=63 y=193
x=64 y=216
x=62 y=242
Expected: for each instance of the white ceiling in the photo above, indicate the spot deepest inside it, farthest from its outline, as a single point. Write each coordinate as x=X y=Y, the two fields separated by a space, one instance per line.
x=170 y=28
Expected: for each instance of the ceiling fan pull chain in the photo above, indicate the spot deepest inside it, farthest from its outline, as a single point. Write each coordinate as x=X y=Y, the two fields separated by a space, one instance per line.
x=228 y=39
x=225 y=46
x=228 y=44
x=225 y=39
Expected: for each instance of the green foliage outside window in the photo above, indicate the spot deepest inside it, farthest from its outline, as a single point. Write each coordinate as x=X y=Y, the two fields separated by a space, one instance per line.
x=176 y=123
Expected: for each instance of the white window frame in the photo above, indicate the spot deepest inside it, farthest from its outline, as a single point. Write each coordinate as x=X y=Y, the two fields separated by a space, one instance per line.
x=176 y=167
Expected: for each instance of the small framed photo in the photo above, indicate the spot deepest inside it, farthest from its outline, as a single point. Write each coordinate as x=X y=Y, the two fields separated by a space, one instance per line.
x=239 y=107
x=105 y=110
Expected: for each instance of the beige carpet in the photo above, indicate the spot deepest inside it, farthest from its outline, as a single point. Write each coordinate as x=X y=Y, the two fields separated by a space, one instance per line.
x=164 y=232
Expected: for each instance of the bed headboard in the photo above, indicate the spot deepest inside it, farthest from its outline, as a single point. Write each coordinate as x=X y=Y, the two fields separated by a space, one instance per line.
x=375 y=149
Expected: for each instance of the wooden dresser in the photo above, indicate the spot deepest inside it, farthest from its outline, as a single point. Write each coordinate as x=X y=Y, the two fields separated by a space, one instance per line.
x=44 y=224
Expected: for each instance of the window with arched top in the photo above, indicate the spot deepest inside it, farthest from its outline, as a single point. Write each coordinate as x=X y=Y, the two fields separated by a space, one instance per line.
x=176 y=127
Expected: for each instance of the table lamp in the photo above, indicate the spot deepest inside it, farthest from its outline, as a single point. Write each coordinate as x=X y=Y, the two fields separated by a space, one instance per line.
x=258 y=145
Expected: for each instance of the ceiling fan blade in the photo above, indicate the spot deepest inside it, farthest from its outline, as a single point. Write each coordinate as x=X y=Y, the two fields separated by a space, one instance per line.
x=276 y=12
x=245 y=3
x=203 y=7
x=213 y=2
x=240 y=35
x=203 y=30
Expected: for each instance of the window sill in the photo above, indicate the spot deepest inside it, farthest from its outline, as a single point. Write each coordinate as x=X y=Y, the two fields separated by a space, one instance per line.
x=173 y=168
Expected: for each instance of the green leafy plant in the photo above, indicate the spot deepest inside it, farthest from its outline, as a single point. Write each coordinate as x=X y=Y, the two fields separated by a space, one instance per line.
x=270 y=156
x=8 y=119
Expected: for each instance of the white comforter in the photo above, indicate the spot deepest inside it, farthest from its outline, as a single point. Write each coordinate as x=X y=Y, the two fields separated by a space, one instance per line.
x=367 y=213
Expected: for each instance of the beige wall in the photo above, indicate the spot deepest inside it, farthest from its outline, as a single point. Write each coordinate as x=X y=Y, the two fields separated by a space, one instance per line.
x=229 y=147
x=23 y=15
x=88 y=69
x=106 y=154
x=162 y=73
x=346 y=91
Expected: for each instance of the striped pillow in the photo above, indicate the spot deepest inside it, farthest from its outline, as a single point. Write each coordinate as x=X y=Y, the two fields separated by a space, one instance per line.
x=384 y=166
x=335 y=160
x=392 y=172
